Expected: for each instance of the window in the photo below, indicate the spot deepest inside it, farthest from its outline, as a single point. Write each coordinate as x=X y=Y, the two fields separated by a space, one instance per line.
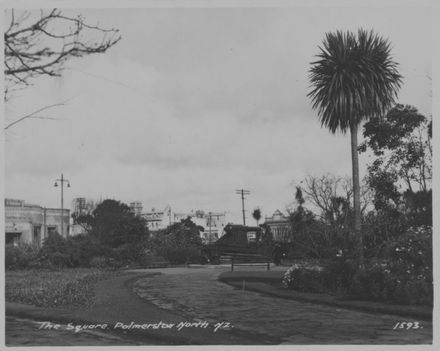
x=12 y=238
x=37 y=234
x=51 y=230
x=251 y=237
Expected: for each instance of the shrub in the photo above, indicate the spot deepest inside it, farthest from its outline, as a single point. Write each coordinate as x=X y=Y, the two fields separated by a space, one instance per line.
x=82 y=249
x=21 y=256
x=302 y=278
x=59 y=259
x=338 y=274
x=98 y=262
x=386 y=281
x=413 y=248
x=182 y=255
x=178 y=243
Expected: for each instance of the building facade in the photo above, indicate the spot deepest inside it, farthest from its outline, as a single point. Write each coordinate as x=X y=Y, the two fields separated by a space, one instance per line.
x=279 y=226
x=31 y=224
x=158 y=219
x=212 y=222
x=136 y=207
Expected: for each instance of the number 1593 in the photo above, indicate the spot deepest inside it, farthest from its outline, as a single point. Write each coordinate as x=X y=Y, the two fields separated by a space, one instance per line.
x=407 y=325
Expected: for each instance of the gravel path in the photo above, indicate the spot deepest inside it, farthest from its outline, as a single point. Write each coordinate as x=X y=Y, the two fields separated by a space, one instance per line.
x=196 y=293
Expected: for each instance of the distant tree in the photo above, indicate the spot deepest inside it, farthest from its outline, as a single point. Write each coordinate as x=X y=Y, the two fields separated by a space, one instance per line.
x=114 y=224
x=329 y=193
x=83 y=215
x=179 y=242
x=301 y=217
x=257 y=215
x=354 y=79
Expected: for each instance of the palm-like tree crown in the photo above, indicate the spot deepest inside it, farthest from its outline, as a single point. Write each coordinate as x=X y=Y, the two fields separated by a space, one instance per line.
x=354 y=79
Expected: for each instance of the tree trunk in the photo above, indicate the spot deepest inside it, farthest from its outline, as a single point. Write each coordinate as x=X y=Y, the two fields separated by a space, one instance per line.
x=356 y=192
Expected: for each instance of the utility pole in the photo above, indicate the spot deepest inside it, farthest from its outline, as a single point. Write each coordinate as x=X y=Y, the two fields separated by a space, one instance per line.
x=44 y=224
x=210 y=221
x=243 y=192
x=62 y=181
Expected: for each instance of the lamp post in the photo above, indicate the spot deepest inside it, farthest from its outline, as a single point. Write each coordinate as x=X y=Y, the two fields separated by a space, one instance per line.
x=62 y=180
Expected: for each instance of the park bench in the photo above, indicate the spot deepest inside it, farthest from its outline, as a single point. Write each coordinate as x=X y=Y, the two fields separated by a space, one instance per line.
x=237 y=260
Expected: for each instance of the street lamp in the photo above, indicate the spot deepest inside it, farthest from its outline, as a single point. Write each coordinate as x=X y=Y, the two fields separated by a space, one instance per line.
x=62 y=181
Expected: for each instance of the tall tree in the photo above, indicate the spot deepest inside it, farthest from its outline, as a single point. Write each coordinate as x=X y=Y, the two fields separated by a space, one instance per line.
x=354 y=79
x=114 y=224
x=402 y=143
x=401 y=174
x=257 y=215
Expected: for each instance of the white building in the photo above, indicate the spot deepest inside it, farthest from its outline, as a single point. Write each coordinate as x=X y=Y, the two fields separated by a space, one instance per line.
x=212 y=222
x=280 y=227
x=158 y=219
x=31 y=224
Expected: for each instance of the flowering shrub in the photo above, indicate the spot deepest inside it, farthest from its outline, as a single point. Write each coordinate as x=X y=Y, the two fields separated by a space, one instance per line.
x=404 y=277
x=387 y=281
x=414 y=248
x=303 y=278
x=288 y=277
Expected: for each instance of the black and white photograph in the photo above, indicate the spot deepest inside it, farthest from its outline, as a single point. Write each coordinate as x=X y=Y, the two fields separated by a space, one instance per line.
x=226 y=173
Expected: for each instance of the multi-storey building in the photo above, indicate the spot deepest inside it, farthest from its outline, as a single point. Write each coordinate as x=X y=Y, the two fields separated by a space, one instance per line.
x=212 y=222
x=136 y=207
x=158 y=219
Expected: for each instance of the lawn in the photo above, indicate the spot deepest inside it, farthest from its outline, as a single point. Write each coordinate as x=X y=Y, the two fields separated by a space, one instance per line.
x=51 y=288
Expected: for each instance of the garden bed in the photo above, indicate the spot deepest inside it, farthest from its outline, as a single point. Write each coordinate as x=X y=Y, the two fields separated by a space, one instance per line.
x=51 y=288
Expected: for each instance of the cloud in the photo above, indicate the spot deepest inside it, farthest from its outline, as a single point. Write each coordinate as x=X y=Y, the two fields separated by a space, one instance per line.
x=193 y=104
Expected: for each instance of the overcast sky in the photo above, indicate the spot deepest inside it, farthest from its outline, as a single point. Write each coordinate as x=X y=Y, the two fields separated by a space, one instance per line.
x=193 y=104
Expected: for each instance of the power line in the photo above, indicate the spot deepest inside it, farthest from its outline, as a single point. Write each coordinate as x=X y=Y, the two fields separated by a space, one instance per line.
x=243 y=192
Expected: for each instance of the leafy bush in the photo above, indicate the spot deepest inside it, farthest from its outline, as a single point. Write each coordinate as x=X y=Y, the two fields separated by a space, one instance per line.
x=21 y=256
x=387 y=281
x=83 y=248
x=58 y=259
x=98 y=262
x=303 y=278
x=129 y=253
x=413 y=249
x=405 y=277
x=338 y=273
x=182 y=255
x=179 y=243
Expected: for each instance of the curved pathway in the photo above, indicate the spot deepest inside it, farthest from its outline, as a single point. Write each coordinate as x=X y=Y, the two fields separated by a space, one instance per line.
x=196 y=293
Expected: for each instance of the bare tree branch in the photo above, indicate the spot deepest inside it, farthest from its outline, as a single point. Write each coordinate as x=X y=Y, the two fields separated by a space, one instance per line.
x=40 y=45
x=34 y=114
